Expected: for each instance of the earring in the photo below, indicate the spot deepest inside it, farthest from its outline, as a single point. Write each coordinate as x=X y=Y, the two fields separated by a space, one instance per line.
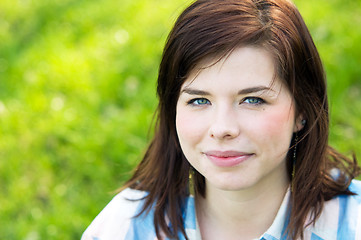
x=294 y=160
x=303 y=122
x=191 y=181
x=191 y=173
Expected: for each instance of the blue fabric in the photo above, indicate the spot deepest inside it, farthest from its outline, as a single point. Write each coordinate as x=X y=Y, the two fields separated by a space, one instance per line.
x=348 y=214
x=315 y=237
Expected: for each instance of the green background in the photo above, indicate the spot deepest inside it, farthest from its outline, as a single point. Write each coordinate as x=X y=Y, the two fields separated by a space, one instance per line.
x=77 y=96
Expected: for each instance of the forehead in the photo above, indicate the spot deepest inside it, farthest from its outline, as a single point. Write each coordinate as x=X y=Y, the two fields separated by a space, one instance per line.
x=244 y=66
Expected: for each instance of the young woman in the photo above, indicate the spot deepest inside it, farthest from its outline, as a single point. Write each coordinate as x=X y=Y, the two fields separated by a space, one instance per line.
x=241 y=144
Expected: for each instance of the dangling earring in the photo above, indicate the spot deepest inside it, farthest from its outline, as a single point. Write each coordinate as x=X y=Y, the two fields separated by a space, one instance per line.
x=191 y=171
x=191 y=181
x=294 y=161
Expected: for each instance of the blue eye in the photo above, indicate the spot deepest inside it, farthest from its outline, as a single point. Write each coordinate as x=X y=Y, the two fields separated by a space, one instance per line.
x=199 y=101
x=253 y=100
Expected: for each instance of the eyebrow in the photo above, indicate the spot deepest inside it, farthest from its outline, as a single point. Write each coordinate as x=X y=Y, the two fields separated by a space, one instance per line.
x=192 y=91
x=254 y=90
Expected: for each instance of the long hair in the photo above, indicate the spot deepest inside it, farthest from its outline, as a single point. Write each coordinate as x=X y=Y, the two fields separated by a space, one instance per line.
x=214 y=28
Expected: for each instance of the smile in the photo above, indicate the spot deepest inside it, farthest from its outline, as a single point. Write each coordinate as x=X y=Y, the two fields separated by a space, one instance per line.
x=227 y=158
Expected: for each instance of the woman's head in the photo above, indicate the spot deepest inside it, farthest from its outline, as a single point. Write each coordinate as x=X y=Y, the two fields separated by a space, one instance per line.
x=213 y=29
x=235 y=121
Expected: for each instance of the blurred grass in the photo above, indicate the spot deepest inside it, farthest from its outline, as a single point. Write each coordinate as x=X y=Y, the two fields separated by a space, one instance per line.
x=77 y=94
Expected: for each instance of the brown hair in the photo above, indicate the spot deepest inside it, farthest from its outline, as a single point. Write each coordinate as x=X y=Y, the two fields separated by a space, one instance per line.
x=209 y=28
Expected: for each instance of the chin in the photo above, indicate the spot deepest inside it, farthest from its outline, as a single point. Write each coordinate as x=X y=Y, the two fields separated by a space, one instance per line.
x=232 y=185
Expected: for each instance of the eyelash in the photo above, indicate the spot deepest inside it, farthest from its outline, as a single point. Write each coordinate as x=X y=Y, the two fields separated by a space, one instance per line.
x=193 y=101
x=259 y=100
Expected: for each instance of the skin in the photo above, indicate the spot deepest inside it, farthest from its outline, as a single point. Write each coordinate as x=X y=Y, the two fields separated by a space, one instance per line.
x=235 y=123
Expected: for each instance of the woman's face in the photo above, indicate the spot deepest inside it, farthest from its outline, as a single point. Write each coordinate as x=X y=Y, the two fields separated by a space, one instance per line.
x=235 y=121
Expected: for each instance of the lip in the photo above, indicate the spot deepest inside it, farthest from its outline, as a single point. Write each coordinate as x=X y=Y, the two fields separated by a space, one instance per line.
x=227 y=158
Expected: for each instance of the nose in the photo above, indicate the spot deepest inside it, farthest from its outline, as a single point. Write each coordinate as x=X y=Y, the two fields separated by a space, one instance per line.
x=224 y=124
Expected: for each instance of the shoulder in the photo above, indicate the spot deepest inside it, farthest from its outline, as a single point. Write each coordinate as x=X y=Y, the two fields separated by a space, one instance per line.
x=349 y=213
x=114 y=220
x=340 y=217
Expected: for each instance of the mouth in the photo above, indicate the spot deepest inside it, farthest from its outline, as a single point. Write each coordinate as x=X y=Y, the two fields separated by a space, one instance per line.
x=227 y=158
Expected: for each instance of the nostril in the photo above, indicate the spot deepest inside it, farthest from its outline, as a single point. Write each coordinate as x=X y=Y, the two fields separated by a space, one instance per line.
x=224 y=131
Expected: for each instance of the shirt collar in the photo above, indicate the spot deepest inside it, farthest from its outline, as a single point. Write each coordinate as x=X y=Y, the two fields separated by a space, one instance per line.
x=278 y=228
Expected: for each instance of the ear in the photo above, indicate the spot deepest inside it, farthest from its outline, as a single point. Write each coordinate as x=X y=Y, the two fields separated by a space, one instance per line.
x=300 y=122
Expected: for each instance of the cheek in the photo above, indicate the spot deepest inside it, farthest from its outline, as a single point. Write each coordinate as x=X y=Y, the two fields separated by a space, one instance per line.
x=275 y=126
x=280 y=121
x=189 y=128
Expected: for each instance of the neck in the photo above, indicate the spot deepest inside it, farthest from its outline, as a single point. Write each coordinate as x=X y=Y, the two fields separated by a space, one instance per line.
x=248 y=213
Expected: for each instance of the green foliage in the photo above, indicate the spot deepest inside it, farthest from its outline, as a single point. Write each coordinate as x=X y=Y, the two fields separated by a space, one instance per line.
x=77 y=96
